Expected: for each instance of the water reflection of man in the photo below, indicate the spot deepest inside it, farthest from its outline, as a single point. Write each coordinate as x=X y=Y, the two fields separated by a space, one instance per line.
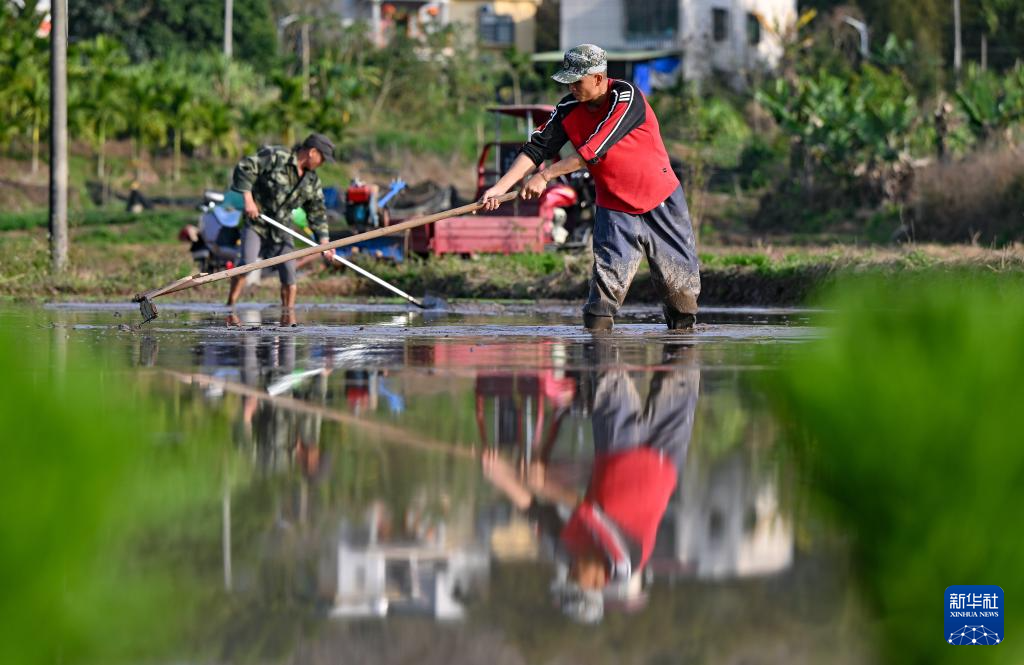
x=639 y=450
x=281 y=437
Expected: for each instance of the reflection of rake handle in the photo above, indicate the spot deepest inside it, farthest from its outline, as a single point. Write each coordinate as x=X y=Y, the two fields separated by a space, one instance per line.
x=348 y=264
x=145 y=299
x=397 y=435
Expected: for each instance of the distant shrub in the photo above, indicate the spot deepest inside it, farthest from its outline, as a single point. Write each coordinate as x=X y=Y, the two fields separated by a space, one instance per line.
x=976 y=199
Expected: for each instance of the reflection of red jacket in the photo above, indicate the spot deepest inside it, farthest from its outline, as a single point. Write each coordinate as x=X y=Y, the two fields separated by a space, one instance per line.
x=625 y=501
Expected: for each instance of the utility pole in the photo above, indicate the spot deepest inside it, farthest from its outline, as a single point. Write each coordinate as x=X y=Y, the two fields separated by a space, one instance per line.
x=59 y=135
x=958 y=51
x=228 y=19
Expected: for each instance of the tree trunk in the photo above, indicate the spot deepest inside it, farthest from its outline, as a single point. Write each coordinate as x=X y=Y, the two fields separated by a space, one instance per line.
x=35 y=144
x=385 y=89
x=101 y=161
x=517 y=94
x=305 y=59
x=177 y=154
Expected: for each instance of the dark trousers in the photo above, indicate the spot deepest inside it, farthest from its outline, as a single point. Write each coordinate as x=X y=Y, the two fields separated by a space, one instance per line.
x=665 y=236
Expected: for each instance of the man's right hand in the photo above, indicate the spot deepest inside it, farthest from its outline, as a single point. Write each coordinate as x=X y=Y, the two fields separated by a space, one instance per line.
x=488 y=198
x=252 y=211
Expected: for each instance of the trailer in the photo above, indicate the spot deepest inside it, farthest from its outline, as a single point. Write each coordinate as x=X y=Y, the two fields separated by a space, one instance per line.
x=515 y=227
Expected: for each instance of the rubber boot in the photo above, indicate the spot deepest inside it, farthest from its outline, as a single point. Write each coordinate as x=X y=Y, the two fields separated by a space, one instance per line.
x=594 y=322
x=680 y=320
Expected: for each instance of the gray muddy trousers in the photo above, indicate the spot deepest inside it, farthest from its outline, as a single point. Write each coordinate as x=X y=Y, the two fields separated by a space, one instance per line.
x=255 y=247
x=665 y=236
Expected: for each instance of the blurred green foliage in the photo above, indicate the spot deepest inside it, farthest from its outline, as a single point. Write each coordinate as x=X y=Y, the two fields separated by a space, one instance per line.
x=906 y=419
x=710 y=123
x=190 y=101
x=90 y=487
x=161 y=28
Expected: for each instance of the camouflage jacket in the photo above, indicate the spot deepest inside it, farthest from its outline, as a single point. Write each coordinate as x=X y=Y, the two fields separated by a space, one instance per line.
x=273 y=178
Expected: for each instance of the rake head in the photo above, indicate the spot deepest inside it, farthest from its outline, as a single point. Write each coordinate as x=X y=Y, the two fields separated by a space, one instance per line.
x=147 y=307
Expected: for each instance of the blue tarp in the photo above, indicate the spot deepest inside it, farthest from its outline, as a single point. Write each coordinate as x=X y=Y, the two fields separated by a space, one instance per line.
x=331 y=198
x=646 y=75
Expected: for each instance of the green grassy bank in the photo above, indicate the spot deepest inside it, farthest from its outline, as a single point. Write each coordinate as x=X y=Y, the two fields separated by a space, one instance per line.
x=113 y=261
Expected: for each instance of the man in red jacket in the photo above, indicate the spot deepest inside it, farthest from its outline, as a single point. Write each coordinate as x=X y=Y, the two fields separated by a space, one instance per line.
x=641 y=209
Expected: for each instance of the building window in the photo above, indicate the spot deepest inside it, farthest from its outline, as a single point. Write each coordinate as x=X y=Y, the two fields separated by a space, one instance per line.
x=753 y=29
x=652 y=18
x=496 y=29
x=720 y=24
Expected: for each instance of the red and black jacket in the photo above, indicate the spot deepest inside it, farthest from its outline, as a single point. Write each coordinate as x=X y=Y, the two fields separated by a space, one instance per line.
x=620 y=142
x=619 y=517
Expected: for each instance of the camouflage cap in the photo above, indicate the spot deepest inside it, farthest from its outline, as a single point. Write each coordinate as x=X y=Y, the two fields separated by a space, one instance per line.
x=580 y=61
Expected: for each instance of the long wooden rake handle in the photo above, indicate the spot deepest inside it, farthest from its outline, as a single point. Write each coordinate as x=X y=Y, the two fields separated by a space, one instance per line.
x=205 y=278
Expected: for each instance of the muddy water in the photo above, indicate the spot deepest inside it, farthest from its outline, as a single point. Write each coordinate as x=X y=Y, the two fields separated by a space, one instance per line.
x=359 y=525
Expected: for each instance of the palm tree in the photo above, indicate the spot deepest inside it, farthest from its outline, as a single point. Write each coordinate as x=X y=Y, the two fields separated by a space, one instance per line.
x=181 y=102
x=148 y=123
x=98 y=88
x=292 y=110
x=24 y=91
x=34 y=90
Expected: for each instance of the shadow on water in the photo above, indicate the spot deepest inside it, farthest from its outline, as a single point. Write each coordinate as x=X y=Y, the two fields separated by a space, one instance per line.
x=481 y=484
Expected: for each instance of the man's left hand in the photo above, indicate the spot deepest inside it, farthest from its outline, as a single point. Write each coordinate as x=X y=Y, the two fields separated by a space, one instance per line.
x=534 y=187
x=328 y=255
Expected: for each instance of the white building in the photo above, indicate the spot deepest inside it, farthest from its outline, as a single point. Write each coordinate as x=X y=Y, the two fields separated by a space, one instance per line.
x=731 y=37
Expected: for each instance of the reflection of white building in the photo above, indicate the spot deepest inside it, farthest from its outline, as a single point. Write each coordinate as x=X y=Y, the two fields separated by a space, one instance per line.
x=726 y=522
x=423 y=577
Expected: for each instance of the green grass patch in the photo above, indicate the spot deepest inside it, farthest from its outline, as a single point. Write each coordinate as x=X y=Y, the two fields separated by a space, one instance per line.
x=21 y=221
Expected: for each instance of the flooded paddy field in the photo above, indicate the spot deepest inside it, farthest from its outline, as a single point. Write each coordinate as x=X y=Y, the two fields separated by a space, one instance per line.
x=353 y=521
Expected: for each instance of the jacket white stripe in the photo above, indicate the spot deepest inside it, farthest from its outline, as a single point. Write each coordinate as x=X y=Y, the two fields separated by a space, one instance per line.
x=621 y=563
x=624 y=115
x=611 y=110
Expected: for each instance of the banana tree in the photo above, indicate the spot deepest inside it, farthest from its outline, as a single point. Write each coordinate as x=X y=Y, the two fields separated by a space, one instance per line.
x=992 y=102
